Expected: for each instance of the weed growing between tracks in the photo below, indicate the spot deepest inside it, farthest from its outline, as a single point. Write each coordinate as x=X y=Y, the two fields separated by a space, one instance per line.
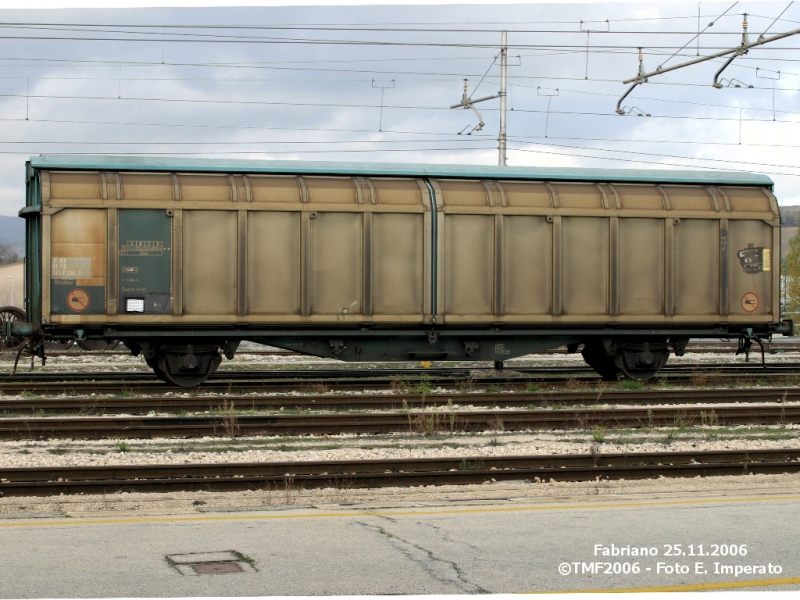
x=709 y=419
x=681 y=423
x=599 y=434
x=22 y=415
x=436 y=423
x=314 y=388
x=285 y=493
x=229 y=421
x=629 y=384
x=420 y=387
x=467 y=465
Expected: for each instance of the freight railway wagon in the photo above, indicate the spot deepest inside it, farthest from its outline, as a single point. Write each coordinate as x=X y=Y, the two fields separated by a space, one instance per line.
x=184 y=259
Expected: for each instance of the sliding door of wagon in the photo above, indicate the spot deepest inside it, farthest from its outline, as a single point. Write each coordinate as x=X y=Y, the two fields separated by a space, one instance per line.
x=144 y=261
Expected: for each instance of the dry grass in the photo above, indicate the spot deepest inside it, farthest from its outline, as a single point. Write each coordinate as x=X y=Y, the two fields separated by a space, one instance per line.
x=286 y=493
x=230 y=422
x=313 y=388
x=435 y=423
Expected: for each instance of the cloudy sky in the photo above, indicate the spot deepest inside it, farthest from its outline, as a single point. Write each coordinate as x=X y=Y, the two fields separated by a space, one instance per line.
x=375 y=83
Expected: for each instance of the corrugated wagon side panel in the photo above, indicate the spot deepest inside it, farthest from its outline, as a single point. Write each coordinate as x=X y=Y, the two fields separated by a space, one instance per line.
x=527 y=262
x=336 y=261
x=641 y=266
x=398 y=270
x=209 y=262
x=585 y=269
x=273 y=263
x=697 y=282
x=468 y=260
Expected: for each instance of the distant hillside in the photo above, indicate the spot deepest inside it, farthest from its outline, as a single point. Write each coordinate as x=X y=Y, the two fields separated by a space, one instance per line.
x=791 y=216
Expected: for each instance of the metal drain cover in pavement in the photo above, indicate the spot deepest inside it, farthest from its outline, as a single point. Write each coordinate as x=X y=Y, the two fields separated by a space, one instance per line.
x=211 y=563
x=216 y=568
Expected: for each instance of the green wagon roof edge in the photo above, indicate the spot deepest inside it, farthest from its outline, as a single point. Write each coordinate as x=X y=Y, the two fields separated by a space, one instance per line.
x=277 y=167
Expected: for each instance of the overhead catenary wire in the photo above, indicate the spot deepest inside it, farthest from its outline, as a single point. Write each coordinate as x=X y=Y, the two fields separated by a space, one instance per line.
x=688 y=158
x=316 y=131
x=354 y=105
x=777 y=18
x=549 y=143
x=332 y=42
x=699 y=33
x=648 y=162
x=682 y=141
x=401 y=139
x=395 y=23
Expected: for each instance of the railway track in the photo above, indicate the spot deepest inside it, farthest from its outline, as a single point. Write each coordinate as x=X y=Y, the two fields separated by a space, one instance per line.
x=94 y=405
x=286 y=380
x=694 y=347
x=232 y=424
x=48 y=481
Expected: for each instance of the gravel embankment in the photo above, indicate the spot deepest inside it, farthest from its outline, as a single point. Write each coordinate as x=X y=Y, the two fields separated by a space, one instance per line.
x=58 y=453
x=348 y=447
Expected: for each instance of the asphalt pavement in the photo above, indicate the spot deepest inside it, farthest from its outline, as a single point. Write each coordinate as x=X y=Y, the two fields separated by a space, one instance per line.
x=644 y=543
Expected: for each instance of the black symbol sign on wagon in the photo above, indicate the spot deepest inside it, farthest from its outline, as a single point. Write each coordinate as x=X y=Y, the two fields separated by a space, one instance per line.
x=750 y=302
x=755 y=259
x=78 y=300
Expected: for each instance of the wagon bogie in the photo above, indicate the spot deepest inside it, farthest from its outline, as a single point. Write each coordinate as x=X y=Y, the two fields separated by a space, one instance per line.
x=184 y=362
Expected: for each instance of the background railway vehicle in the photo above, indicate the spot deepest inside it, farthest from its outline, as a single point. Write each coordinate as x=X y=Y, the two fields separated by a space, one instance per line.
x=8 y=314
x=184 y=259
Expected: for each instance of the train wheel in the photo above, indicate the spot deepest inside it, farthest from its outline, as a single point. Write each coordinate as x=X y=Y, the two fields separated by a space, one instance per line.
x=153 y=364
x=188 y=366
x=595 y=355
x=97 y=344
x=12 y=313
x=641 y=361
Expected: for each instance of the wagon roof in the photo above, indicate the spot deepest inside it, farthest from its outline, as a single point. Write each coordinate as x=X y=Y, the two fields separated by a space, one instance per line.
x=277 y=167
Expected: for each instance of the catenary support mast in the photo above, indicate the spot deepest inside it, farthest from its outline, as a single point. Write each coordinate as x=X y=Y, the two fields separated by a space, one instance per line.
x=503 y=72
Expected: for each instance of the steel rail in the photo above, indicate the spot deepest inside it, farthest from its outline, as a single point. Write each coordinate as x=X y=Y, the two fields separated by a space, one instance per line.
x=82 y=388
x=352 y=378
x=359 y=371
x=776 y=346
x=232 y=424
x=94 y=405
x=47 y=481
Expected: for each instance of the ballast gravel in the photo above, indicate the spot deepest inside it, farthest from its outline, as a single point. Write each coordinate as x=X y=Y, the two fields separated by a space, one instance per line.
x=69 y=453
x=350 y=447
x=62 y=453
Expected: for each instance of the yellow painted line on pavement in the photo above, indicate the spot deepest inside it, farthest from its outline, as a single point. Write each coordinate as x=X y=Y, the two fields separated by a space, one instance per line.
x=692 y=587
x=395 y=513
